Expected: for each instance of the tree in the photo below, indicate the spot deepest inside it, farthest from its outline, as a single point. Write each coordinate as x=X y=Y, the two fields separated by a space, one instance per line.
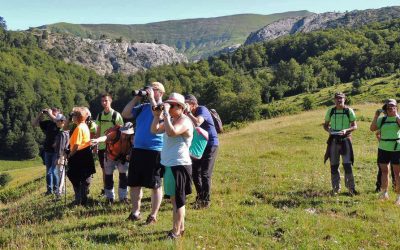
x=357 y=83
x=3 y=24
x=28 y=147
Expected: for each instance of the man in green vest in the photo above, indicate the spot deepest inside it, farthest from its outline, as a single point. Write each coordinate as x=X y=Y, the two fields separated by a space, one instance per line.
x=106 y=119
x=340 y=122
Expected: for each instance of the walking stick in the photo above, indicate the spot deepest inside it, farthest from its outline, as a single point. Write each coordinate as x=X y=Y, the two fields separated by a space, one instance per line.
x=65 y=182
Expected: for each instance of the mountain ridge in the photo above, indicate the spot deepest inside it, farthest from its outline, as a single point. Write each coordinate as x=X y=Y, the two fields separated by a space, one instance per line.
x=313 y=22
x=196 y=38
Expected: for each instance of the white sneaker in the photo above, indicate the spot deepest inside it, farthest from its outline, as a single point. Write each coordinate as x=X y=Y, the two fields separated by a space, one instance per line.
x=397 y=202
x=383 y=196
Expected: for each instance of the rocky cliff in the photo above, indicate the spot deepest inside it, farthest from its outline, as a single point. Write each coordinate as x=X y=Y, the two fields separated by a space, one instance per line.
x=288 y=26
x=107 y=56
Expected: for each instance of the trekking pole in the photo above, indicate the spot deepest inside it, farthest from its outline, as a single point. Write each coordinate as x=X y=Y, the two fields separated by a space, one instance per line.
x=65 y=183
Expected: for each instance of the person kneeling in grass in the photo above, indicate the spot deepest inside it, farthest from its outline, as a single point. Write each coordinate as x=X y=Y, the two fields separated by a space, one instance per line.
x=175 y=157
x=389 y=148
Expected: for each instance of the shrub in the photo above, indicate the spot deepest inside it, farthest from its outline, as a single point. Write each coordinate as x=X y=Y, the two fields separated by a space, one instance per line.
x=4 y=179
x=308 y=103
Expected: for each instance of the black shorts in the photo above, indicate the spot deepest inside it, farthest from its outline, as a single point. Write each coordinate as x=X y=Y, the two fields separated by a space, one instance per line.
x=144 y=169
x=386 y=157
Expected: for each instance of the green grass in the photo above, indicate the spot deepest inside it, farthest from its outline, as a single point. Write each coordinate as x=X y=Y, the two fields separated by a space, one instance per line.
x=6 y=165
x=193 y=37
x=270 y=190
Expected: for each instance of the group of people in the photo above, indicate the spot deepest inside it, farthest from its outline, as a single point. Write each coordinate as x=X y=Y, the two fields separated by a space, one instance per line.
x=340 y=122
x=157 y=147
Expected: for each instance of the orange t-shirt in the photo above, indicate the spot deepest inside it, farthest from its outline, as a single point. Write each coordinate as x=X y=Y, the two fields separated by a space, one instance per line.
x=80 y=137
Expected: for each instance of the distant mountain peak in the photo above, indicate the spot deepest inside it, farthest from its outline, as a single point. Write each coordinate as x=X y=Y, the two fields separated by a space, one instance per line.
x=292 y=25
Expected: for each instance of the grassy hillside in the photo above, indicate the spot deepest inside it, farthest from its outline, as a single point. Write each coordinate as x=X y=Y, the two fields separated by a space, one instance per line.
x=375 y=90
x=194 y=37
x=270 y=191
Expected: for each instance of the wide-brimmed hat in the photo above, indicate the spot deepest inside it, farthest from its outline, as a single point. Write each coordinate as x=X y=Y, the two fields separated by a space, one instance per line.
x=127 y=128
x=176 y=98
x=340 y=94
x=60 y=117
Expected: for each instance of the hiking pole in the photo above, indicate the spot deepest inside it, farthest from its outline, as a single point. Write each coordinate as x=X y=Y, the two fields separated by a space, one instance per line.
x=65 y=183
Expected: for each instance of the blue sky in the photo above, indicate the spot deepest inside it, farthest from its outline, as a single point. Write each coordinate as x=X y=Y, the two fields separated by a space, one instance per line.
x=21 y=14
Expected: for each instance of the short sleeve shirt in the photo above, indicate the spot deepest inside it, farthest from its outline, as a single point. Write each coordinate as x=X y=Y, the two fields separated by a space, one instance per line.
x=339 y=119
x=389 y=130
x=106 y=123
x=144 y=139
x=80 y=137
x=208 y=125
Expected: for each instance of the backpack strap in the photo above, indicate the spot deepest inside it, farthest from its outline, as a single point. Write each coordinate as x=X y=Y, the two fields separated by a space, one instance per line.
x=114 y=117
x=333 y=111
x=383 y=121
x=346 y=111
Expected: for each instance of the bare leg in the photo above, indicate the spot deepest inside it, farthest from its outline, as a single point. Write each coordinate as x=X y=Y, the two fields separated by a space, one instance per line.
x=396 y=170
x=178 y=217
x=384 y=177
x=156 y=198
x=136 y=198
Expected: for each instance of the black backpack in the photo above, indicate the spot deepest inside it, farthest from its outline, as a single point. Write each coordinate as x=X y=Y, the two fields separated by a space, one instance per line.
x=393 y=139
x=383 y=121
x=113 y=117
x=217 y=121
x=345 y=111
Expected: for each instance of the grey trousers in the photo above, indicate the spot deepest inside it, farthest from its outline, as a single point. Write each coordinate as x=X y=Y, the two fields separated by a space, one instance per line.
x=346 y=161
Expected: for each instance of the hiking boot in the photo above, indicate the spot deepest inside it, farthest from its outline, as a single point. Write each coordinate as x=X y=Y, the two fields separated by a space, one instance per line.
x=110 y=201
x=124 y=201
x=353 y=192
x=206 y=204
x=172 y=236
x=133 y=217
x=196 y=204
x=151 y=220
x=102 y=192
x=383 y=196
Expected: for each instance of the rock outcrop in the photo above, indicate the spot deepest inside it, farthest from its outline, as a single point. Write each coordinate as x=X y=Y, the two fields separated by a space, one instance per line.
x=288 y=26
x=106 y=56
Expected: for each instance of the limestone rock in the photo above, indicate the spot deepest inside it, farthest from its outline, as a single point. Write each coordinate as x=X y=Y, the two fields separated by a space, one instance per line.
x=106 y=56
